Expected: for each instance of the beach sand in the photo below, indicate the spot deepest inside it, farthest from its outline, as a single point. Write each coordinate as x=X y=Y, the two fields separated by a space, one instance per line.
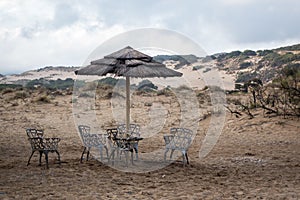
x=255 y=158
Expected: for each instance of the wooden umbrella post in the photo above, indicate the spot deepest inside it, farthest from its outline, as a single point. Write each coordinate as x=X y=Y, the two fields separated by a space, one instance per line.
x=127 y=104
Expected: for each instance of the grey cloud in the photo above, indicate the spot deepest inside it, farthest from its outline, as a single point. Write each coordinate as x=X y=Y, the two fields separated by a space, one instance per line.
x=215 y=24
x=251 y=22
x=27 y=32
x=64 y=15
x=263 y=21
x=131 y=12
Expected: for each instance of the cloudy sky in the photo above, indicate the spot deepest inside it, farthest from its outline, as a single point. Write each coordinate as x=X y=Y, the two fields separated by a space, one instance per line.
x=38 y=33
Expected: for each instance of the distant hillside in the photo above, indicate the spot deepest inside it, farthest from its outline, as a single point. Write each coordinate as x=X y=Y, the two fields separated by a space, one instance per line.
x=234 y=67
x=262 y=64
x=57 y=68
x=295 y=47
x=47 y=73
x=182 y=59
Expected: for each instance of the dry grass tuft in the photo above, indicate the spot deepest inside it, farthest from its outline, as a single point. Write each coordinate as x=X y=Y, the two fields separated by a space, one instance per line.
x=44 y=99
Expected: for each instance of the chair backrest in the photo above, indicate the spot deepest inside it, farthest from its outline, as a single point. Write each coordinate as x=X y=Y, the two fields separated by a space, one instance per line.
x=34 y=133
x=91 y=139
x=84 y=134
x=134 y=130
x=181 y=140
x=112 y=133
x=84 y=129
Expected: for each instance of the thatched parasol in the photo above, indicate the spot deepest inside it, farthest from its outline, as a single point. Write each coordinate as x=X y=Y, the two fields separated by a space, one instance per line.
x=128 y=62
x=128 y=53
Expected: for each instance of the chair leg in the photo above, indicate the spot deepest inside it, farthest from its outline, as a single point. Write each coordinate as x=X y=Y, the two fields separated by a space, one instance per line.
x=187 y=159
x=46 y=158
x=40 y=160
x=135 y=147
x=101 y=153
x=112 y=154
x=183 y=158
x=82 y=154
x=165 y=155
x=58 y=155
x=172 y=151
x=132 y=157
x=126 y=155
x=119 y=153
x=30 y=158
x=88 y=153
x=106 y=151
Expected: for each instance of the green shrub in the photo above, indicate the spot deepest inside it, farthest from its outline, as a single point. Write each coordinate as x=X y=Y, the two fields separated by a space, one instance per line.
x=215 y=88
x=166 y=92
x=9 y=86
x=205 y=88
x=245 y=65
x=276 y=59
x=244 y=77
x=51 y=84
x=264 y=52
x=21 y=95
x=43 y=99
x=109 y=81
x=146 y=85
x=286 y=58
x=206 y=70
x=295 y=47
x=183 y=88
x=249 y=53
x=7 y=90
x=208 y=58
x=85 y=94
x=197 y=67
x=233 y=54
x=292 y=70
x=242 y=58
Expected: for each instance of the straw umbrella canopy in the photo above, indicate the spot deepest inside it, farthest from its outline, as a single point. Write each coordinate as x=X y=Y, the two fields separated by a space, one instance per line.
x=128 y=62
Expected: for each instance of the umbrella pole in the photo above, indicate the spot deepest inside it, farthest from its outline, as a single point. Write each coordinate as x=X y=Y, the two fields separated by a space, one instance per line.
x=127 y=104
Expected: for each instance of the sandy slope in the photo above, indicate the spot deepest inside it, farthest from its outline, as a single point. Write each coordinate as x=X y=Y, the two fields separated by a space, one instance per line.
x=255 y=159
x=194 y=79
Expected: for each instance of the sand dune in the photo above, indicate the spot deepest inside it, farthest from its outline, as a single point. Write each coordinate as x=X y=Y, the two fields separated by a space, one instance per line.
x=253 y=159
x=193 y=78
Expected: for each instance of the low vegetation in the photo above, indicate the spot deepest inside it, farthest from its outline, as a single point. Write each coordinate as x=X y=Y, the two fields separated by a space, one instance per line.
x=281 y=97
x=6 y=88
x=263 y=64
x=51 y=84
x=43 y=99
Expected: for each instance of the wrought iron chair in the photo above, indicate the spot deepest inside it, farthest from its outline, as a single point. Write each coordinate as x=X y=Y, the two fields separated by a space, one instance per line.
x=118 y=145
x=92 y=140
x=179 y=139
x=42 y=145
x=134 y=131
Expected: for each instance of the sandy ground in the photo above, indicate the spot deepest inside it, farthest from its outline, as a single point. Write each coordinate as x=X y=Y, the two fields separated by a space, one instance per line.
x=253 y=159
